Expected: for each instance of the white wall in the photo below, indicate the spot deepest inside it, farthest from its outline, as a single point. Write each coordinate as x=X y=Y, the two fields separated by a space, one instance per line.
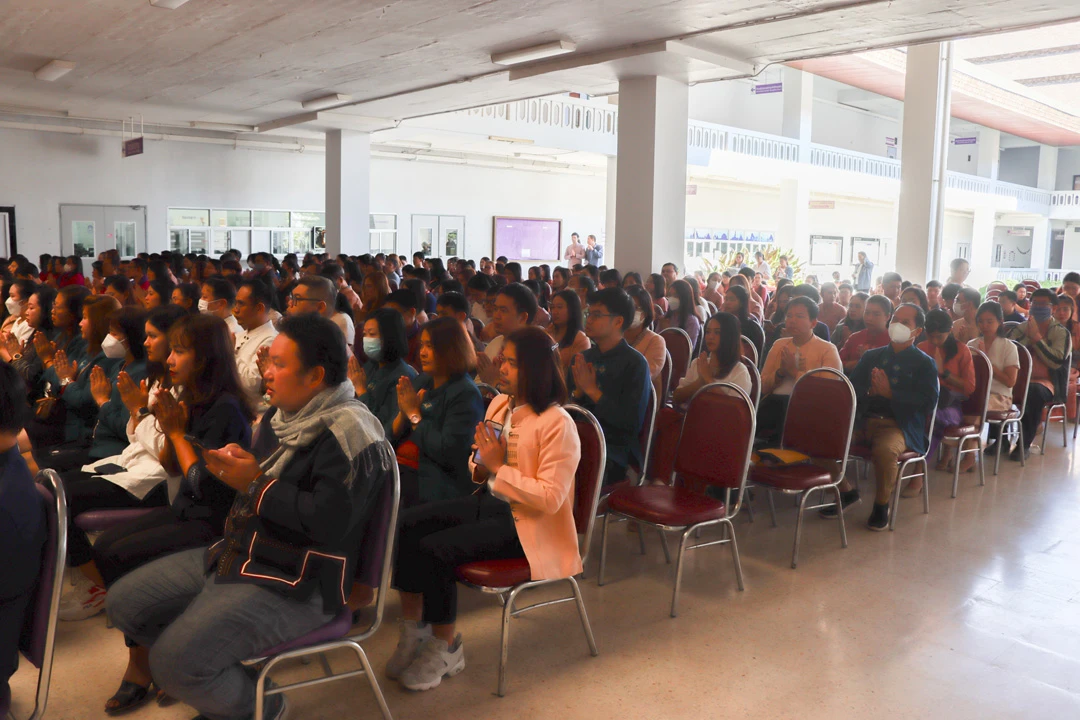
x=963 y=158
x=1068 y=166
x=851 y=129
x=730 y=102
x=44 y=170
x=1020 y=166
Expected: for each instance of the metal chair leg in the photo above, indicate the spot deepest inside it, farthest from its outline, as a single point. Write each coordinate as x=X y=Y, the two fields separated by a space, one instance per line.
x=735 y=555
x=1064 y=429
x=603 y=550
x=678 y=573
x=641 y=537
x=505 y=648
x=372 y=680
x=979 y=461
x=926 y=485
x=772 y=508
x=1023 y=455
x=999 y=443
x=840 y=514
x=956 y=469
x=586 y=626
x=663 y=544
x=896 y=498
x=798 y=527
x=1046 y=426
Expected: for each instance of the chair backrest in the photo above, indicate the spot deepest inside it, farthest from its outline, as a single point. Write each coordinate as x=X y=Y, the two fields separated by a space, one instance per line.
x=39 y=626
x=665 y=379
x=1009 y=325
x=375 y=560
x=748 y=349
x=978 y=402
x=755 y=380
x=821 y=415
x=680 y=349
x=487 y=393
x=712 y=307
x=590 y=474
x=648 y=431
x=707 y=458
x=1032 y=285
x=1023 y=377
x=657 y=313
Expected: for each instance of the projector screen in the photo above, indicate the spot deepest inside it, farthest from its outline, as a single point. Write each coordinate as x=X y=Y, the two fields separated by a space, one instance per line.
x=528 y=239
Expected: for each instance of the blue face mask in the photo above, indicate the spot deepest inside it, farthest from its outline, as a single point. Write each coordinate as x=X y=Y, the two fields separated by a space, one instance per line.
x=373 y=348
x=1041 y=313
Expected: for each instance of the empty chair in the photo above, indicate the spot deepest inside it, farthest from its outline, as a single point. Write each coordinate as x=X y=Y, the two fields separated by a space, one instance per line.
x=704 y=459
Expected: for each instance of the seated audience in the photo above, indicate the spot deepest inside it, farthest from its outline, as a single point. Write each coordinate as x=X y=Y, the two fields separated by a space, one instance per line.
x=1064 y=313
x=948 y=299
x=965 y=306
x=158 y=293
x=875 y=334
x=737 y=303
x=891 y=286
x=218 y=297
x=611 y=379
x=712 y=292
x=852 y=322
x=682 y=311
x=1004 y=360
x=830 y=311
x=1010 y=309
x=956 y=383
x=523 y=507
x=122 y=289
x=1050 y=346
x=187 y=296
x=565 y=330
x=386 y=349
x=24 y=356
x=515 y=307
x=657 y=284
x=15 y=324
x=844 y=294
x=404 y=302
x=718 y=360
x=896 y=388
x=1023 y=301
x=437 y=411
x=308 y=493
x=640 y=337
x=252 y=311
x=23 y=528
x=915 y=296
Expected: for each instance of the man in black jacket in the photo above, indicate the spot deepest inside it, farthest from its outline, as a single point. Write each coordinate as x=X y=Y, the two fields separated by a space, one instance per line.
x=287 y=559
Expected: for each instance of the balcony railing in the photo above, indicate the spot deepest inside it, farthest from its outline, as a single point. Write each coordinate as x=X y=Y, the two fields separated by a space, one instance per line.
x=562 y=113
x=837 y=159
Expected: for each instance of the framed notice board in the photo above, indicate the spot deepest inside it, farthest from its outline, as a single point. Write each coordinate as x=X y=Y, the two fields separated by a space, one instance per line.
x=527 y=239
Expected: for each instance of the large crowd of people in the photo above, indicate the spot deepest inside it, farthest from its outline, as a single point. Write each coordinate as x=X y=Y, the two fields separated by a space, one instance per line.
x=246 y=410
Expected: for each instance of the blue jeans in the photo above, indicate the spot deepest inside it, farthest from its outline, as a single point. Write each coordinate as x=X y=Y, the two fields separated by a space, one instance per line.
x=199 y=631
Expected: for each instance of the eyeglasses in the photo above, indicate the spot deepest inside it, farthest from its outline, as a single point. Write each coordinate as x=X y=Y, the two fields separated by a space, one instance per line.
x=298 y=299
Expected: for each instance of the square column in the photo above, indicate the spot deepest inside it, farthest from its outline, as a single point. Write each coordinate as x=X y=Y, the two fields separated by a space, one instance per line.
x=793 y=221
x=927 y=97
x=1048 y=162
x=798 y=96
x=609 y=208
x=982 y=247
x=989 y=157
x=348 y=184
x=650 y=192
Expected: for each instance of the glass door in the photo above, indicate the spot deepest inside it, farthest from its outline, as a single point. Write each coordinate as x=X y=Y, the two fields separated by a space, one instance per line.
x=89 y=230
x=451 y=235
x=425 y=228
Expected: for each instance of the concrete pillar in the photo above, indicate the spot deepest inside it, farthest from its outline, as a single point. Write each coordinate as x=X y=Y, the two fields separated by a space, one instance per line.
x=650 y=202
x=1040 y=243
x=1048 y=161
x=793 y=226
x=927 y=98
x=982 y=247
x=989 y=157
x=348 y=183
x=798 y=108
x=609 y=210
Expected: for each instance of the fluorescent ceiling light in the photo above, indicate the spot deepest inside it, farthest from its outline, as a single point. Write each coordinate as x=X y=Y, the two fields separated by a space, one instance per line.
x=288 y=121
x=167 y=4
x=326 y=101
x=537 y=52
x=54 y=70
x=42 y=112
x=519 y=141
x=226 y=127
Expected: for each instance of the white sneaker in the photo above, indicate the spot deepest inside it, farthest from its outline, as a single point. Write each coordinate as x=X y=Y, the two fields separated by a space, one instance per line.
x=412 y=636
x=435 y=661
x=84 y=601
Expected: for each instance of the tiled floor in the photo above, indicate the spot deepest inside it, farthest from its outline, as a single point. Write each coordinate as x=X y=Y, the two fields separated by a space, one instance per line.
x=971 y=612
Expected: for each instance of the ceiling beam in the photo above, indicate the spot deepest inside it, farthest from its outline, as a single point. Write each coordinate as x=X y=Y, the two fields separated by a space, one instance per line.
x=287 y=121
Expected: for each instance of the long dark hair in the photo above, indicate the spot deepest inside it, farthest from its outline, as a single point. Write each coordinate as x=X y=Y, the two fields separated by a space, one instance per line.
x=743 y=296
x=540 y=376
x=939 y=321
x=730 y=349
x=781 y=310
x=162 y=318
x=72 y=297
x=46 y=297
x=856 y=325
x=395 y=346
x=994 y=309
x=131 y=321
x=659 y=286
x=574 y=316
x=686 y=302
x=642 y=301
x=215 y=353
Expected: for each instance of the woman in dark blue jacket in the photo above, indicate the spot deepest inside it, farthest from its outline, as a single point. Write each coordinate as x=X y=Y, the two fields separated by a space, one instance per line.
x=376 y=381
x=437 y=417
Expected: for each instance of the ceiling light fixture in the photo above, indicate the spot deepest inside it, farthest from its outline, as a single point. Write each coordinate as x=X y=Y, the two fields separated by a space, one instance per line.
x=326 y=101
x=225 y=127
x=537 y=52
x=54 y=70
x=40 y=112
x=167 y=4
x=518 y=141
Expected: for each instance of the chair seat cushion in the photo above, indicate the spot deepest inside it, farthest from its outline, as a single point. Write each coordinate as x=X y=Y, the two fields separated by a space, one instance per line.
x=102 y=520
x=334 y=630
x=665 y=505
x=496 y=573
x=860 y=451
x=602 y=507
x=791 y=477
x=957 y=431
x=1002 y=415
x=908 y=455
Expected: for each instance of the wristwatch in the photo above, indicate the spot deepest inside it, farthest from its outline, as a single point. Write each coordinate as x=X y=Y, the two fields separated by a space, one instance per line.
x=415 y=419
x=143 y=412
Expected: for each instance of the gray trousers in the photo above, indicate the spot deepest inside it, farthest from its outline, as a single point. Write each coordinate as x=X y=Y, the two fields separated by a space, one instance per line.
x=199 y=631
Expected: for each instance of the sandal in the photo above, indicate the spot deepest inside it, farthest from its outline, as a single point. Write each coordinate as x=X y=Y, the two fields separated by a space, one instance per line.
x=129 y=697
x=164 y=700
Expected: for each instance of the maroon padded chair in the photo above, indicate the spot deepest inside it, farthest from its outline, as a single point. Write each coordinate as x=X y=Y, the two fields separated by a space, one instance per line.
x=976 y=405
x=819 y=422
x=477 y=324
x=39 y=625
x=509 y=578
x=93 y=521
x=755 y=380
x=681 y=350
x=704 y=459
x=1010 y=419
x=665 y=380
x=749 y=351
x=487 y=393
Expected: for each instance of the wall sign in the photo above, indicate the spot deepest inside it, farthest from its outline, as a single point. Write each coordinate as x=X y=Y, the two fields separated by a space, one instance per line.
x=767 y=88
x=134 y=146
x=965 y=141
x=822 y=204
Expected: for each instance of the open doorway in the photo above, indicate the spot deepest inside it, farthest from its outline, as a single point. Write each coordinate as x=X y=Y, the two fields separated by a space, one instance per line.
x=8 y=246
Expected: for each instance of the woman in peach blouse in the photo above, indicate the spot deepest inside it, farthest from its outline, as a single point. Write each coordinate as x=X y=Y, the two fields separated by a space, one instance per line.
x=527 y=452
x=565 y=328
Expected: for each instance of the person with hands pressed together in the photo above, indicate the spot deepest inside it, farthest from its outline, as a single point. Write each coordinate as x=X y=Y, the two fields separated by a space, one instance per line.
x=896 y=388
x=304 y=498
x=252 y=311
x=956 y=382
x=611 y=379
x=875 y=334
x=376 y=381
x=718 y=360
x=528 y=451
x=437 y=412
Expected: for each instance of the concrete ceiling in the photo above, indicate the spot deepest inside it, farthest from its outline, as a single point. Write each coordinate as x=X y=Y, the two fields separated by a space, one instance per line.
x=250 y=62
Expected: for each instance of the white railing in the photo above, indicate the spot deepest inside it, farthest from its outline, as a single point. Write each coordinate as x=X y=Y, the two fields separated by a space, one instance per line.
x=1023 y=193
x=837 y=159
x=706 y=136
x=762 y=145
x=564 y=113
x=1015 y=275
x=968 y=183
x=1066 y=198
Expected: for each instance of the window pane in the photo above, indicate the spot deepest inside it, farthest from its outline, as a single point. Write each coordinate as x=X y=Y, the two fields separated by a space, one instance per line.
x=270 y=218
x=301 y=240
x=199 y=240
x=279 y=242
x=308 y=220
x=178 y=241
x=124 y=232
x=384 y=222
x=82 y=237
x=230 y=218
x=189 y=218
x=221 y=241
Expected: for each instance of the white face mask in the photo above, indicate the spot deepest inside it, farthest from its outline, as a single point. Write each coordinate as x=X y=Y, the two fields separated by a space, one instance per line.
x=14 y=307
x=204 y=306
x=673 y=304
x=898 y=333
x=112 y=347
x=639 y=317
x=957 y=308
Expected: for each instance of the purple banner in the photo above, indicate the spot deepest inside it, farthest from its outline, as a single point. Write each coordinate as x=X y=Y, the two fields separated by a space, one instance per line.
x=767 y=88
x=965 y=141
x=527 y=239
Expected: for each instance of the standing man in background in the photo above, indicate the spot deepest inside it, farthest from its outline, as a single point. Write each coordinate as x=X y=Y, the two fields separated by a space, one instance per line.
x=594 y=253
x=575 y=251
x=863 y=274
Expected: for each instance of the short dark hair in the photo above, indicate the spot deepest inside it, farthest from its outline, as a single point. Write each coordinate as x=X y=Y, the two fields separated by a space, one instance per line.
x=523 y=298
x=1046 y=293
x=971 y=295
x=1073 y=277
x=950 y=290
x=806 y=302
x=540 y=375
x=321 y=285
x=920 y=315
x=956 y=263
x=14 y=408
x=1007 y=294
x=808 y=291
x=222 y=289
x=672 y=265
x=617 y=302
x=320 y=343
x=395 y=345
x=611 y=276
x=480 y=281
x=260 y=292
x=455 y=301
x=933 y=284
x=891 y=277
x=881 y=301
x=403 y=298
